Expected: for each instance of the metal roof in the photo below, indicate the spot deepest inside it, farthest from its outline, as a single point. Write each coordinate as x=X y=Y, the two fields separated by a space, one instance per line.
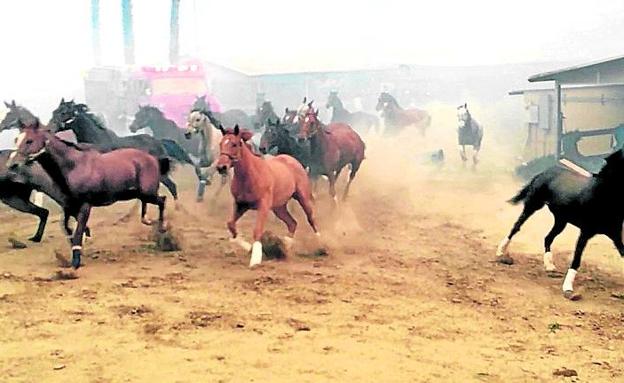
x=589 y=72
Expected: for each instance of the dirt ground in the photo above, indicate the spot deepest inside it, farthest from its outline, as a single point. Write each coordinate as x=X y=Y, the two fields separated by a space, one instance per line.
x=408 y=291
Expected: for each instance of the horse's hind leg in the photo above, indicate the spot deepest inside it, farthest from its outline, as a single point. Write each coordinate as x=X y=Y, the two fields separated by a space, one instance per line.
x=283 y=214
x=557 y=228
x=305 y=201
x=462 y=154
x=82 y=218
x=529 y=209
x=25 y=206
x=354 y=169
x=170 y=185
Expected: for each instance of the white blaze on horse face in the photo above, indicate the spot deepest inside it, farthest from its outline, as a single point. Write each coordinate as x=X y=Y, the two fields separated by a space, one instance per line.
x=256 y=254
x=568 y=282
x=548 y=261
x=502 y=247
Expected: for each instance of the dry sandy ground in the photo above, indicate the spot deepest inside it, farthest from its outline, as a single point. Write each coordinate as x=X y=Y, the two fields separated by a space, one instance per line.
x=408 y=292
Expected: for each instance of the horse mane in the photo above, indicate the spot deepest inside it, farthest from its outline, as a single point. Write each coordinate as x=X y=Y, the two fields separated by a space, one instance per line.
x=83 y=110
x=80 y=147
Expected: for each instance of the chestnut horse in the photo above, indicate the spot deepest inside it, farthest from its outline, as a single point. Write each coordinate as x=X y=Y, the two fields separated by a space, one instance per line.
x=90 y=178
x=332 y=147
x=262 y=185
x=397 y=118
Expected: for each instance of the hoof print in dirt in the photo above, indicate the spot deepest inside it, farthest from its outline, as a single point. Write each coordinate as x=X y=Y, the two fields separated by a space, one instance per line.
x=505 y=260
x=170 y=240
x=572 y=296
x=554 y=274
x=16 y=244
x=273 y=247
x=316 y=253
x=61 y=260
x=61 y=275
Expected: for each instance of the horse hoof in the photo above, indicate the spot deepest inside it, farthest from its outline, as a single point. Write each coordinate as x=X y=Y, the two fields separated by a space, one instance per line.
x=505 y=260
x=35 y=239
x=568 y=294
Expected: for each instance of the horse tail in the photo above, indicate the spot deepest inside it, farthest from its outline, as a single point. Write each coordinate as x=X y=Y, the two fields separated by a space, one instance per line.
x=175 y=151
x=165 y=166
x=523 y=194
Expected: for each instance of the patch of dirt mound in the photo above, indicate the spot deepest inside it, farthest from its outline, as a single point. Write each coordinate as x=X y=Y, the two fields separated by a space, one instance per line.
x=273 y=247
x=170 y=240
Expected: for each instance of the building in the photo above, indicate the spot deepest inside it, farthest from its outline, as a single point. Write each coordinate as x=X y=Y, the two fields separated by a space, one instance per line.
x=578 y=117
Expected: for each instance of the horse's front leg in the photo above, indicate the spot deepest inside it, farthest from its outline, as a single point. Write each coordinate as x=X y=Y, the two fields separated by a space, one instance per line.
x=237 y=212
x=82 y=218
x=475 y=157
x=256 y=248
x=462 y=154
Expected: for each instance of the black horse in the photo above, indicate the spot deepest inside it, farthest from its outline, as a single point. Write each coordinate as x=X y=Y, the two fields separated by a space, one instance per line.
x=265 y=113
x=89 y=129
x=279 y=138
x=593 y=203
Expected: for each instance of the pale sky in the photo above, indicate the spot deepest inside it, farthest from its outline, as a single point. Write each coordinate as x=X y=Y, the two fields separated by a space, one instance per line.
x=47 y=44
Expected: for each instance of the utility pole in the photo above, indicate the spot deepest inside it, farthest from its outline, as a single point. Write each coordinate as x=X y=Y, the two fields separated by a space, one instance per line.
x=174 y=32
x=128 y=32
x=95 y=31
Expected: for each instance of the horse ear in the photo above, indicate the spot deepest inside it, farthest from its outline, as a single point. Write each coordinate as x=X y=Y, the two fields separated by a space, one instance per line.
x=310 y=103
x=316 y=113
x=9 y=105
x=286 y=110
x=305 y=98
x=269 y=122
x=221 y=129
x=236 y=130
x=13 y=104
x=465 y=105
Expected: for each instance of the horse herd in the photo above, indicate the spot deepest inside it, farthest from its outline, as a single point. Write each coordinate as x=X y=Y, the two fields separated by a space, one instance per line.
x=103 y=168
x=270 y=160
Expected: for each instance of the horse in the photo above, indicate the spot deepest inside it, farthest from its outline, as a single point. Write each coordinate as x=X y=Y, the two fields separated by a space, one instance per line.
x=265 y=113
x=332 y=147
x=360 y=121
x=590 y=202
x=397 y=118
x=88 y=129
x=262 y=185
x=15 y=113
x=162 y=128
x=90 y=178
x=17 y=185
x=228 y=118
x=469 y=133
x=282 y=139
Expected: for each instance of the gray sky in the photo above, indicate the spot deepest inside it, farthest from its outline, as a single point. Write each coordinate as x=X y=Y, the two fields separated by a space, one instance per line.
x=47 y=44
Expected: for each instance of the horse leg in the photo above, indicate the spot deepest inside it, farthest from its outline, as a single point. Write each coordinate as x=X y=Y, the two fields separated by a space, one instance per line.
x=557 y=228
x=529 y=209
x=170 y=185
x=25 y=206
x=203 y=181
x=283 y=214
x=305 y=201
x=237 y=212
x=332 y=186
x=475 y=156
x=462 y=154
x=568 y=282
x=256 y=248
x=160 y=202
x=82 y=218
x=354 y=169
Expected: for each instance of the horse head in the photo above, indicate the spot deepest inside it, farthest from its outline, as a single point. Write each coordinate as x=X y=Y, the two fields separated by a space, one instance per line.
x=29 y=144
x=463 y=116
x=144 y=117
x=14 y=115
x=201 y=104
x=231 y=147
x=64 y=114
x=269 y=137
x=333 y=101
x=309 y=125
x=386 y=103
x=196 y=121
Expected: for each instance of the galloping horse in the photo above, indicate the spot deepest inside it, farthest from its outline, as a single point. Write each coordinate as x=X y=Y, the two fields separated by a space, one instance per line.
x=332 y=147
x=360 y=121
x=88 y=129
x=397 y=118
x=263 y=185
x=90 y=178
x=201 y=123
x=593 y=203
x=281 y=138
x=162 y=128
x=469 y=132
x=14 y=115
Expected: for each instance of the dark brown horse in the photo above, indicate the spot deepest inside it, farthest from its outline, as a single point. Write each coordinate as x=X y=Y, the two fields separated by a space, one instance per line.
x=332 y=147
x=262 y=185
x=89 y=178
x=397 y=118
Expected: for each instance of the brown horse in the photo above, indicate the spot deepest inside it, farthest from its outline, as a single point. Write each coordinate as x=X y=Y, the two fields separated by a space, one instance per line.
x=397 y=118
x=90 y=178
x=332 y=147
x=262 y=185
